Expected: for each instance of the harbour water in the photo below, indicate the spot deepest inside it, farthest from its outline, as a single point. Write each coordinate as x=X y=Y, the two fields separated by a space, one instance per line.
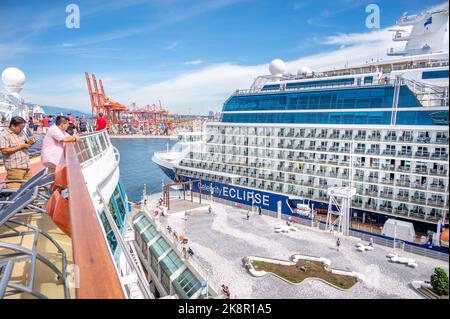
x=137 y=167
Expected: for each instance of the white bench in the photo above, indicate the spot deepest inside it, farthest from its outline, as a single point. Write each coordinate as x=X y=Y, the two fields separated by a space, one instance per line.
x=402 y=260
x=362 y=247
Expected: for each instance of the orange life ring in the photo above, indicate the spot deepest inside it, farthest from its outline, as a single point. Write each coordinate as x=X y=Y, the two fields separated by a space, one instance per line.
x=61 y=176
x=52 y=202
x=444 y=235
x=61 y=215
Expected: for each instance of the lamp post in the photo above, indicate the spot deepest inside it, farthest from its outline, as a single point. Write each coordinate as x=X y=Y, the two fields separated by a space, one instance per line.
x=395 y=233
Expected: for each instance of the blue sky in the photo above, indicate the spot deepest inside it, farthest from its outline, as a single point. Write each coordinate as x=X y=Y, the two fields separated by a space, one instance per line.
x=189 y=54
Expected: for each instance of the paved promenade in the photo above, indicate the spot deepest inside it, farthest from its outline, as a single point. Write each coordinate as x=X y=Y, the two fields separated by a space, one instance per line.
x=222 y=239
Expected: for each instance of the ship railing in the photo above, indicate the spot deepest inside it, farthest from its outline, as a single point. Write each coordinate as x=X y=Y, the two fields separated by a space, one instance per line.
x=309 y=87
x=92 y=146
x=96 y=272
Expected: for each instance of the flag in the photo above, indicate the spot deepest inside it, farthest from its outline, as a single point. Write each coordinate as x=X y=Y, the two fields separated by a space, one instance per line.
x=428 y=21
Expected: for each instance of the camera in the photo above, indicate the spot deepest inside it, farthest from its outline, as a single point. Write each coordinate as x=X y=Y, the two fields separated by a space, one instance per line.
x=70 y=129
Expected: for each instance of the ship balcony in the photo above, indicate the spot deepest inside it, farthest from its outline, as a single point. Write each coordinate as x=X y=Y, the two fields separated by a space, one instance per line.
x=403 y=183
x=345 y=150
x=371 y=192
x=334 y=136
x=333 y=161
x=390 y=138
x=360 y=151
x=373 y=179
x=418 y=200
x=359 y=177
x=375 y=165
x=333 y=174
x=436 y=202
x=424 y=155
x=346 y=137
x=437 y=187
x=374 y=137
x=387 y=209
x=389 y=152
x=387 y=181
x=344 y=163
x=321 y=173
x=401 y=211
x=419 y=185
x=402 y=197
x=360 y=137
x=438 y=172
x=407 y=139
x=423 y=140
x=373 y=152
x=442 y=140
x=404 y=153
x=404 y=169
x=384 y=194
x=333 y=149
x=439 y=156
x=357 y=204
x=421 y=170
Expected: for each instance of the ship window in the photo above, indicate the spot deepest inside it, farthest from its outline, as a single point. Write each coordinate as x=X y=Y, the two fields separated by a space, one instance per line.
x=171 y=263
x=149 y=234
x=112 y=241
x=141 y=224
x=442 y=74
x=159 y=247
x=154 y=263
x=165 y=280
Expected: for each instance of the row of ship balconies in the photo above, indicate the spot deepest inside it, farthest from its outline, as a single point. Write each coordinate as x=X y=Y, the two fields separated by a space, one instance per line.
x=289 y=161
x=414 y=207
x=322 y=178
x=401 y=136
x=421 y=152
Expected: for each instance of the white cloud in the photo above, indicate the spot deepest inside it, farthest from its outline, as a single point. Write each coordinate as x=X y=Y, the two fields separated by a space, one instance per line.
x=356 y=38
x=193 y=62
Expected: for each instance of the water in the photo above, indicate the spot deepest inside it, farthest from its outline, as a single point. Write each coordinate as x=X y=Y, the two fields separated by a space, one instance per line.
x=137 y=167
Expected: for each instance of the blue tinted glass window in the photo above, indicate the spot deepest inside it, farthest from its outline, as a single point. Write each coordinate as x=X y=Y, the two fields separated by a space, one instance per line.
x=442 y=74
x=370 y=117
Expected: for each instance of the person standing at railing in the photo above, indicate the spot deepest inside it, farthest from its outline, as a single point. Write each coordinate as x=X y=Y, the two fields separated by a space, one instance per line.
x=52 y=153
x=82 y=125
x=45 y=124
x=14 y=145
x=101 y=122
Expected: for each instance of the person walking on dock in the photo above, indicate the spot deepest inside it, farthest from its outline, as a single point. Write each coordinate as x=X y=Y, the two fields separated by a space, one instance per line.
x=14 y=146
x=338 y=244
x=248 y=214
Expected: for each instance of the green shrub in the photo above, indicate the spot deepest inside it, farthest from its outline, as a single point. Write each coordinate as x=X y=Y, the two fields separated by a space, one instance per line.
x=439 y=281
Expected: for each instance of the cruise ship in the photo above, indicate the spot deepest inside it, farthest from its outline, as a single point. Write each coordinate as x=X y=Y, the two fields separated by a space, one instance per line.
x=86 y=241
x=379 y=129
